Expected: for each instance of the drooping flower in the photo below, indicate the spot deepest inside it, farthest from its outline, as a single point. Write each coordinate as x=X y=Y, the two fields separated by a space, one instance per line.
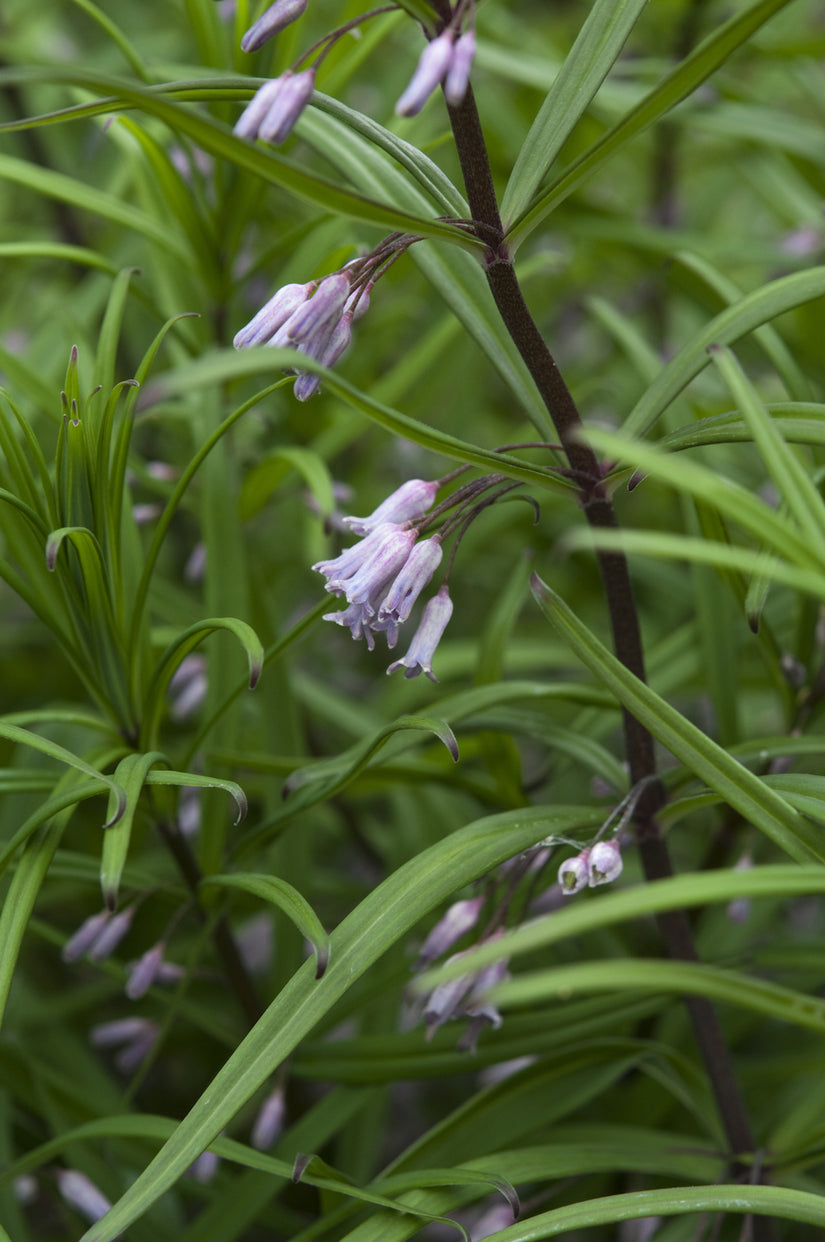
x=134 y=1037
x=413 y=577
x=574 y=874
x=430 y=72
x=605 y=863
x=419 y=658
x=461 y=917
x=364 y=569
x=271 y=22
x=408 y=502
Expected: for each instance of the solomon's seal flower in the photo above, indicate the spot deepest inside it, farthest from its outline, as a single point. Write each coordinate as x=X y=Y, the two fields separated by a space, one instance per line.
x=419 y=658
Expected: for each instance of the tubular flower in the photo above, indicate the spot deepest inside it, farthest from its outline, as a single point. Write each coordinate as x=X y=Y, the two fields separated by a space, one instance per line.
x=415 y=575
x=419 y=658
x=410 y=501
x=271 y=22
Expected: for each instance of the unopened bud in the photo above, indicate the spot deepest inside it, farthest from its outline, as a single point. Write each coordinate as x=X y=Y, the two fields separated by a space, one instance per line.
x=112 y=934
x=574 y=874
x=270 y=1120
x=82 y=1194
x=605 y=863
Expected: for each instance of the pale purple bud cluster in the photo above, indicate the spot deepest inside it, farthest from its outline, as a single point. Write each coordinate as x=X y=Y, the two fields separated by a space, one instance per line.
x=466 y=996
x=600 y=864
x=271 y=22
x=151 y=969
x=461 y=917
x=98 y=936
x=135 y=1037
x=273 y=111
x=81 y=1193
x=446 y=59
x=315 y=318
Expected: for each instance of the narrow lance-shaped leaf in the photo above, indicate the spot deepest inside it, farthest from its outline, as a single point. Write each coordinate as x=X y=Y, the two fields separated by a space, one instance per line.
x=588 y=62
x=695 y=69
x=380 y=919
x=130 y=775
x=748 y=795
x=287 y=898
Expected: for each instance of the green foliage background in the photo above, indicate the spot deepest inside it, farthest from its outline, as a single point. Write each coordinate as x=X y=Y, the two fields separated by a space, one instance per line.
x=676 y=207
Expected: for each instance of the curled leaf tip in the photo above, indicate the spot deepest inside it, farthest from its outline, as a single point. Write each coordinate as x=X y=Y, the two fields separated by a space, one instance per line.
x=321 y=960
x=300 y=1166
x=635 y=479
x=256 y=666
x=241 y=805
x=120 y=807
x=451 y=742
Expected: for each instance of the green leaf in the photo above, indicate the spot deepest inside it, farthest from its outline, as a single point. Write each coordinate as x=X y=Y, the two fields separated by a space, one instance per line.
x=267 y=475
x=277 y=892
x=711 y=53
x=23 y=737
x=130 y=774
x=792 y=481
x=772 y=1201
x=738 y=787
x=219 y=140
x=688 y=978
x=736 y=502
x=606 y=909
x=193 y=780
x=182 y=646
x=221 y=366
x=597 y=47
x=379 y=921
x=730 y=325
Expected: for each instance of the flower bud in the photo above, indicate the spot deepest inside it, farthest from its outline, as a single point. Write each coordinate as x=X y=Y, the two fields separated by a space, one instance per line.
x=275 y=19
x=458 y=74
x=429 y=74
x=605 y=863
x=408 y=502
x=82 y=1194
x=574 y=874
x=270 y=1120
x=111 y=936
x=85 y=936
x=461 y=917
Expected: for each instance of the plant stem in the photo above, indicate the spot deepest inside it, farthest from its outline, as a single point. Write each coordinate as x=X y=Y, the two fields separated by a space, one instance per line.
x=600 y=514
x=224 y=941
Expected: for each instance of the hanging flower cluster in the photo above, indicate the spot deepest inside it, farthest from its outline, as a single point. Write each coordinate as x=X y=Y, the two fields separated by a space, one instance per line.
x=383 y=576
x=600 y=864
x=446 y=60
x=316 y=318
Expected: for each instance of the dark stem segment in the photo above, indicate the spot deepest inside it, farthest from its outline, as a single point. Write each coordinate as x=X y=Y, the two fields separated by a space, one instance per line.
x=224 y=941
x=598 y=508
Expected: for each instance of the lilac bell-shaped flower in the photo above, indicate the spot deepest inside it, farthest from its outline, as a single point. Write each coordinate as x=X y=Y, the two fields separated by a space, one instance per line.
x=415 y=575
x=410 y=501
x=341 y=569
x=382 y=566
x=419 y=658
x=280 y=307
x=461 y=917
x=271 y=22
x=605 y=863
x=574 y=874
x=429 y=74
